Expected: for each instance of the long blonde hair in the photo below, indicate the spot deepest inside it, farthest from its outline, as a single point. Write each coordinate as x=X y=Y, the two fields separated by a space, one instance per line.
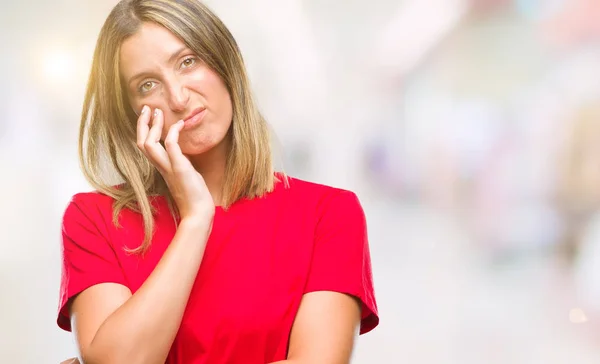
x=107 y=136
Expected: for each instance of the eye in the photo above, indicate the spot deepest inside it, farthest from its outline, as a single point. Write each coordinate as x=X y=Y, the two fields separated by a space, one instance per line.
x=188 y=62
x=146 y=86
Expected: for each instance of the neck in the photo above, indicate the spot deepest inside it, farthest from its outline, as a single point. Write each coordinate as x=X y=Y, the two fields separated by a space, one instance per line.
x=211 y=165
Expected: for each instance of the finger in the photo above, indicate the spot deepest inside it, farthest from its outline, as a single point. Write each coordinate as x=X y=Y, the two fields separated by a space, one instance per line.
x=142 y=127
x=154 y=149
x=156 y=128
x=176 y=157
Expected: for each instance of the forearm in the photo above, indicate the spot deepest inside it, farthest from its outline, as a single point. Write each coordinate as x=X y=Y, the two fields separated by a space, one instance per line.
x=142 y=330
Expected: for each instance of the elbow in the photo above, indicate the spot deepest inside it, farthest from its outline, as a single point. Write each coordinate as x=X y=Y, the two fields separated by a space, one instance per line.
x=90 y=357
x=107 y=359
x=301 y=360
x=125 y=350
x=106 y=356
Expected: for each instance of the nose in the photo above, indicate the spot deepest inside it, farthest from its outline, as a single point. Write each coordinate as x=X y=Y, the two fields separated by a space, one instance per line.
x=178 y=96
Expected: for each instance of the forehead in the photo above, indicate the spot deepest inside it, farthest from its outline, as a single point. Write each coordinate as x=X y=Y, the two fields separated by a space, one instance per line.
x=149 y=47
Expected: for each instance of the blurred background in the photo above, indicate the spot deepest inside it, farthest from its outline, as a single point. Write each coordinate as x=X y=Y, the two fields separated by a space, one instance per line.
x=470 y=130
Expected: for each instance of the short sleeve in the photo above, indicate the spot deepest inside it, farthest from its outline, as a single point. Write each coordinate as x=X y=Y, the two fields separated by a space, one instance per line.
x=88 y=258
x=341 y=259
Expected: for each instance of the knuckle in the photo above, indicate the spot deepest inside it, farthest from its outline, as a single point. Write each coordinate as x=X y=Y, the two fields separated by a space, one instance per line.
x=177 y=171
x=169 y=142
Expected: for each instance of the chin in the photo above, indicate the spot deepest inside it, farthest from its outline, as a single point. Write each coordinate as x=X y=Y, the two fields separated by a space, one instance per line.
x=195 y=149
x=198 y=146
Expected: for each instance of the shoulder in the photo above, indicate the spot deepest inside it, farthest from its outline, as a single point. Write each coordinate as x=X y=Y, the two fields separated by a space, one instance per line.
x=324 y=198
x=96 y=206
x=318 y=191
x=85 y=211
x=96 y=200
x=91 y=215
x=91 y=198
x=92 y=202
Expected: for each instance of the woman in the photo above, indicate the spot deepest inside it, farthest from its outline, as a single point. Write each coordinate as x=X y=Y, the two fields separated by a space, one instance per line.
x=202 y=254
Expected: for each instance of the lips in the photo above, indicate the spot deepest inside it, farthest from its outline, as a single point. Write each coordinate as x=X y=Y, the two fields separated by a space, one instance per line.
x=194 y=118
x=193 y=114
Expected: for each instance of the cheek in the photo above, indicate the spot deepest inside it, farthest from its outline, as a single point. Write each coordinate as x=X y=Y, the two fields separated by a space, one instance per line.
x=217 y=92
x=136 y=106
x=166 y=126
x=225 y=106
x=223 y=94
x=227 y=101
x=135 y=102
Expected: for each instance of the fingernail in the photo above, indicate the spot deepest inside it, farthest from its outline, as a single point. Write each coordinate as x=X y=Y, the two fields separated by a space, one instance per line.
x=144 y=109
x=156 y=111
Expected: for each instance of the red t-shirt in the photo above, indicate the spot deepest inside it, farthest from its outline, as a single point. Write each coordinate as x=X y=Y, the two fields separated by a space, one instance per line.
x=261 y=257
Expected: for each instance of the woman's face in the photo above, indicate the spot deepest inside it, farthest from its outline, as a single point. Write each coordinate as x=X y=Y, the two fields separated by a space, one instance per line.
x=158 y=70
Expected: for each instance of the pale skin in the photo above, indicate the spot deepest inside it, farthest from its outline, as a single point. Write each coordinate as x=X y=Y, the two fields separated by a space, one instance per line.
x=174 y=83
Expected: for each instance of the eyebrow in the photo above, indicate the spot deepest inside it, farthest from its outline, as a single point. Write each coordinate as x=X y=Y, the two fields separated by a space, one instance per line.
x=171 y=59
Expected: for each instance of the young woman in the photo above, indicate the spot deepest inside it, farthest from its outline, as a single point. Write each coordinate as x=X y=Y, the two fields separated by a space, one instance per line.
x=202 y=254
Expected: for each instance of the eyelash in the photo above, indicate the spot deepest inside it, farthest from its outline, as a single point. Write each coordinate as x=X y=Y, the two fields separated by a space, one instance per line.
x=190 y=58
x=141 y=88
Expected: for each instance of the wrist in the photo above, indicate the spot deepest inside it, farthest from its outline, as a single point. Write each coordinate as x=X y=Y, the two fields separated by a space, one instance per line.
x=196 y=224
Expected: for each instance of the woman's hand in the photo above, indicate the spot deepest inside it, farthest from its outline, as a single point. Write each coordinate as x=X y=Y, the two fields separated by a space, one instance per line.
x=186 y=185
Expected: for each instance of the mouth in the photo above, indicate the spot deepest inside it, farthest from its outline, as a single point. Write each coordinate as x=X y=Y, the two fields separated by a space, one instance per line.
x=194 y=118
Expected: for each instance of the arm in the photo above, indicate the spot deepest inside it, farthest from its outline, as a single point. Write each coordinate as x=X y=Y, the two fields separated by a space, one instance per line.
x=339 y=290
x=324 y=329
x=113 y=326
